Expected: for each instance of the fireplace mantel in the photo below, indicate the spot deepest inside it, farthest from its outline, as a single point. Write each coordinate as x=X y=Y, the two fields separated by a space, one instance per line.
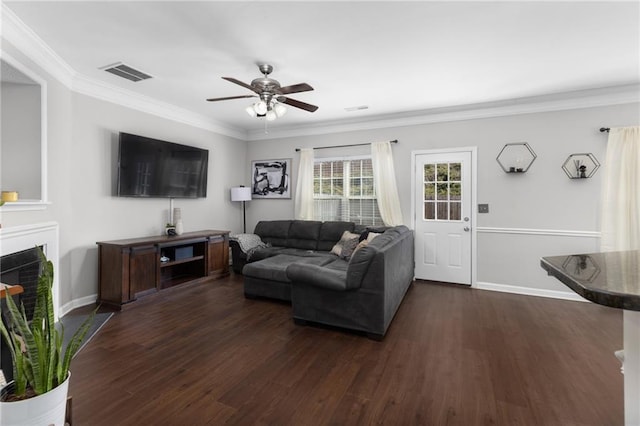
x=17 y=238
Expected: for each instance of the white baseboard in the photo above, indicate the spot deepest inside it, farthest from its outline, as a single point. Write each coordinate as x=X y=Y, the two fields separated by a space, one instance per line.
x=77 y=303
x=529 y=291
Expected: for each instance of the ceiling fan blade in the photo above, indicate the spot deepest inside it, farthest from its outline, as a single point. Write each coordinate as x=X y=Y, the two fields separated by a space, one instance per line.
x=230 y=97
x=240 y=83
x=298 y=104
x=295 y=88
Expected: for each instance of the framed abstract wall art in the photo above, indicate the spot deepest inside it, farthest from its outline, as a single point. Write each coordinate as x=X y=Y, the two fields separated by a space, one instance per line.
x=271 y=179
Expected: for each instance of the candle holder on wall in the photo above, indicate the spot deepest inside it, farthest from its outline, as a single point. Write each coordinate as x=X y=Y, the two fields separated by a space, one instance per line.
x=516 y=157
x=580 y=166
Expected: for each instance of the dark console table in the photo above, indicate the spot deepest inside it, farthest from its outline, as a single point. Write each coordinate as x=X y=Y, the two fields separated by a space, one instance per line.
x=135 y=267
x=610 y=279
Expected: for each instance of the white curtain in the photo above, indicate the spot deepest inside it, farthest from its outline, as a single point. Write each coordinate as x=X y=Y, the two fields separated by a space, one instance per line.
x=620 y=229
x=384 y=177
x=304 y=188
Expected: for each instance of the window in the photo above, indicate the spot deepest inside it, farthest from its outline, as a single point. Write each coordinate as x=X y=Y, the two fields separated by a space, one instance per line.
x=442 y=191
x=343 y=189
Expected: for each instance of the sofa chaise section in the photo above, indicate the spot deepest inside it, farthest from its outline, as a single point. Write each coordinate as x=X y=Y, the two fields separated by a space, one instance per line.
x=362 y=294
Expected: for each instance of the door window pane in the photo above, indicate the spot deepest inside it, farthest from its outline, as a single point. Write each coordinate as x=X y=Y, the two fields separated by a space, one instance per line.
x=454 y=192
x=443 y=183
x=429 y=172
x=443 y=191
x=429 y=191
x=443 y=172
x=454 y=171
x=429 y=211
x=443 y=211
x=455 y=211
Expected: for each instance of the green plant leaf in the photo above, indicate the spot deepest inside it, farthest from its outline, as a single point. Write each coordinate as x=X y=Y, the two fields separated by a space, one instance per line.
x=41 y=366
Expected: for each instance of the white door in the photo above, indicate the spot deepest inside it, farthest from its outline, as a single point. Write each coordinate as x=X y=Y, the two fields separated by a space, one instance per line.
x=443 y=201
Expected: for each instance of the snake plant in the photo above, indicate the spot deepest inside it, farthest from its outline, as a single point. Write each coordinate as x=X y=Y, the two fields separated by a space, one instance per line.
x=36 y=347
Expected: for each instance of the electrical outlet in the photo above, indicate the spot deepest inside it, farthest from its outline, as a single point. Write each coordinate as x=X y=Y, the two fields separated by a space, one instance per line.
x=483 y=208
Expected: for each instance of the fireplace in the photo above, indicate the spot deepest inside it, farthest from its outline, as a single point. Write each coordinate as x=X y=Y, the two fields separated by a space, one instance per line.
x=19 y=260
x=22 y=268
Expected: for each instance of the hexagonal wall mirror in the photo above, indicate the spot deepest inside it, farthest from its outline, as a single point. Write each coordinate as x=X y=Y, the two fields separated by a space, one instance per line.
x=580 y=166
x=516 y=157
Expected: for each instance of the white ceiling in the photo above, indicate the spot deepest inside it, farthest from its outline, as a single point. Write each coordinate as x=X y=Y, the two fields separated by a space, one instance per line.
x=394 y=57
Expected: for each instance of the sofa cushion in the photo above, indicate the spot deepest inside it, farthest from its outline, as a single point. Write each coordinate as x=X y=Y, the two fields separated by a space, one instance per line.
x=330 y=232
x=275 y=268
x=358 y=265
x=359 y=262
x=264 y=252
x=274 y=232
x=303 y=234
x=318 y=276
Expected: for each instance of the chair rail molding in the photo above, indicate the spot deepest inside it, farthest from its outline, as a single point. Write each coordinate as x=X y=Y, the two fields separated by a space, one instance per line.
x=543 y=232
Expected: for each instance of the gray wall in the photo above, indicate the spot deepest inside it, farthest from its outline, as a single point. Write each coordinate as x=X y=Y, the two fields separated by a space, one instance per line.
x=82 y=154
x=537 y=214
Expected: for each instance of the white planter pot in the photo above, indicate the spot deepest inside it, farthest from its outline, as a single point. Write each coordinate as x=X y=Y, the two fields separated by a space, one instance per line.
x=46 y=409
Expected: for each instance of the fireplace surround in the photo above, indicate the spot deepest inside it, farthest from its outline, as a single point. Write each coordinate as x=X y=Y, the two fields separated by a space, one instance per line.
x=16 y=239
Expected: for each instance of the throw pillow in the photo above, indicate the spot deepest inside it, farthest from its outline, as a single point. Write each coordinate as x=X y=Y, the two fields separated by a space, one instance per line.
x=371 y=236
x=348 y=248
x=346 y=236
x=361 y=244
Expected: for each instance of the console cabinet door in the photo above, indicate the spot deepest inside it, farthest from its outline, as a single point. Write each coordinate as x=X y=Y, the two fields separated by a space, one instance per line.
x=142 y=270
x=218 y=255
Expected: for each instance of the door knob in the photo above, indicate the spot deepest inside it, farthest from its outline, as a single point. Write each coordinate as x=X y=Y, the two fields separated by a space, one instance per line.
x=466 y=229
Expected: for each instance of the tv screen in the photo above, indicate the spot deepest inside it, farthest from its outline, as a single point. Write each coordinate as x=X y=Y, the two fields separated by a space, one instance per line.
x=154 y=168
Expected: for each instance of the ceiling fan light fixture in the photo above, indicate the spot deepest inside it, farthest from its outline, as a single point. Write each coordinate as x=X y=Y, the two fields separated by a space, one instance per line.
x=251 y=111
x=271 y=115
x=260 y=107
x=279 y=109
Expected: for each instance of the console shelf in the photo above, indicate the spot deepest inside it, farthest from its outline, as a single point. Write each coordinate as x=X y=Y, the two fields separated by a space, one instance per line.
x=178 y=262
x=131 y=268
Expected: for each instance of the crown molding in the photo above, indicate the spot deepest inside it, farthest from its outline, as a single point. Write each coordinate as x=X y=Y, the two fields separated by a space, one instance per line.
x=16 y=32
x=129 y=99
x=615 y=95
x=26 y=41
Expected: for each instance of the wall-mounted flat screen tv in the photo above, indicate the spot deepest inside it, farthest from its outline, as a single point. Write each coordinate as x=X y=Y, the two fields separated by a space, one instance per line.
x=154 y=168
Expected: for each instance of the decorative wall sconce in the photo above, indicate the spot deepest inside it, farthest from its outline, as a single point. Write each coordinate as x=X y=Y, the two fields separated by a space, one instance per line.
x=580 y=166
x=516 y=157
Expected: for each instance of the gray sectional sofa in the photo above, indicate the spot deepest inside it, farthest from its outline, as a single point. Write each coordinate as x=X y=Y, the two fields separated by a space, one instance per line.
x=360 y=293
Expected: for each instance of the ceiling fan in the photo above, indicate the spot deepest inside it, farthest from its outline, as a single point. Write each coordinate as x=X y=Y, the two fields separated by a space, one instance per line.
x=271 y=95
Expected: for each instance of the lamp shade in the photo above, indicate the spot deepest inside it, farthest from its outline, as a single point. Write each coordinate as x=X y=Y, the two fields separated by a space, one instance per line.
x=241 y=193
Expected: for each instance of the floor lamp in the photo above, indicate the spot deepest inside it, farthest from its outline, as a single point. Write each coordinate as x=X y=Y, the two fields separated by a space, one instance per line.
x=242 y=193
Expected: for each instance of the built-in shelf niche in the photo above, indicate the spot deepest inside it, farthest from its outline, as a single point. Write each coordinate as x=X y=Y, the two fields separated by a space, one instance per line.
x=24 y=136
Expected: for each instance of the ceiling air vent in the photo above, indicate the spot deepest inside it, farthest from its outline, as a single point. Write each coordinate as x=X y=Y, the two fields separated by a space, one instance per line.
x=126 y=71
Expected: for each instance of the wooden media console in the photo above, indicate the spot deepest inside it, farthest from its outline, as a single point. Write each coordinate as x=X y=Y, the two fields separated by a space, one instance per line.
x=135 y=267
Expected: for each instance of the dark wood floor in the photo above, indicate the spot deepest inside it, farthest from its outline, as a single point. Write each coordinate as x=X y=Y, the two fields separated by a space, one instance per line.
x=203 y=355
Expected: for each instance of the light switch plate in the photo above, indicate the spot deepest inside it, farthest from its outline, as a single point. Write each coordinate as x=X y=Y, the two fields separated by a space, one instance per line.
x=483 y=208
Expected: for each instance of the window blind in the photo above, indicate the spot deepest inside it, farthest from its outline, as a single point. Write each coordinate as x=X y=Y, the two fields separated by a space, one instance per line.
x=344 y=190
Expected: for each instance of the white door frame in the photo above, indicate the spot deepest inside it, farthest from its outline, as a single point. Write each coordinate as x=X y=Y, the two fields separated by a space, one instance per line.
x=474 y=198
